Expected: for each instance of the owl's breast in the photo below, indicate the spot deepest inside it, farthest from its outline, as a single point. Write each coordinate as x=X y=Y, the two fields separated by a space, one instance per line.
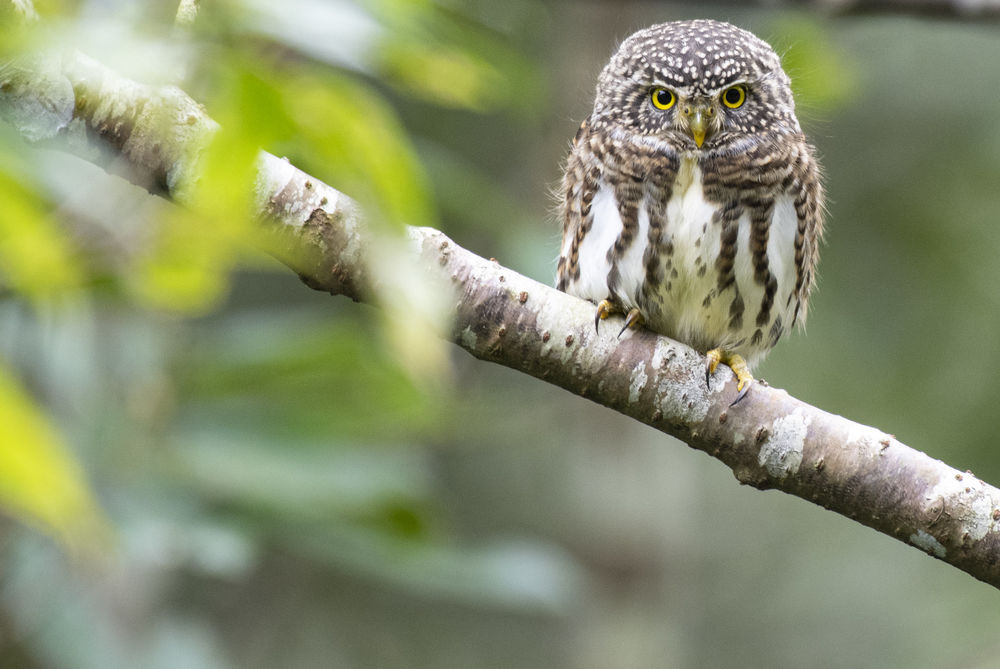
x=689 y=233
x=729 y=275
x=683 y=305
x=690 y=264
x=648 y=246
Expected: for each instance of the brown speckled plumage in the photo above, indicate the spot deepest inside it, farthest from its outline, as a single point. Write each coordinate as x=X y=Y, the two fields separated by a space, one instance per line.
x=713 y=238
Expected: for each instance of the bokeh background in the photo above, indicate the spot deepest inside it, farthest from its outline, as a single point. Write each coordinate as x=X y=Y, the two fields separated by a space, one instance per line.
x=204 y=464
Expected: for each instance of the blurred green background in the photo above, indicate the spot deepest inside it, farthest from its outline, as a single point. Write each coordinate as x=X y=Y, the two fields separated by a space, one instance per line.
x=204 y=464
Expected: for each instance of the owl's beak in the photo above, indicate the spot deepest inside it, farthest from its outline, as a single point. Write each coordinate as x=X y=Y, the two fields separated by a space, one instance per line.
x=699 y=118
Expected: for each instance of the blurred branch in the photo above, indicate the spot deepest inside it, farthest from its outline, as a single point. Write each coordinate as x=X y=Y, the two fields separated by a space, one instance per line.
x=770 y=440
x=959 y=9
x=187 y=12
x=953 y=9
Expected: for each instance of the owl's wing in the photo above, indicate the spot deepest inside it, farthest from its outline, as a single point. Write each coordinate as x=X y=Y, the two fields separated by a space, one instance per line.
x=579 y=185
x=809 y=209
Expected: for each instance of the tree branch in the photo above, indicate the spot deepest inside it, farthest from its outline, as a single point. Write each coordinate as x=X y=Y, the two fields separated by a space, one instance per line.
x=969 y=10
x=964 y=10
x=769 y=440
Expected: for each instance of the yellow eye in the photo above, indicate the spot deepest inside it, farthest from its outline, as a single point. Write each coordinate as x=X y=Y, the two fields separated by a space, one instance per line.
x=662 y=98
x=734 y=97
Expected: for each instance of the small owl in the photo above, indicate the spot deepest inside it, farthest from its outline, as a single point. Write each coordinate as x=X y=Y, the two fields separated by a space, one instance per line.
x=691 y=201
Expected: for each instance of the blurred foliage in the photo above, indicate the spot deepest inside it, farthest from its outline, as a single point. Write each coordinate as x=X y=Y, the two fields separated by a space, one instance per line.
x=822 y=77
x=35 y=259
x=215 y=433
x=447 y=57
x=40 y=480
x=288 y=479
x=329 y=378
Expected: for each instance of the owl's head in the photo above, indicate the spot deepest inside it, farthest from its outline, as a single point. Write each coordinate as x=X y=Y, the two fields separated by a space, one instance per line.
x=695 y=85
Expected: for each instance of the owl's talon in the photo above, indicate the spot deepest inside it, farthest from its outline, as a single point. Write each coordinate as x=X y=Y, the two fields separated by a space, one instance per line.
x=604 y=309
x=744 y=379
x=741 y=393
x=633 y=320
x=712 y=359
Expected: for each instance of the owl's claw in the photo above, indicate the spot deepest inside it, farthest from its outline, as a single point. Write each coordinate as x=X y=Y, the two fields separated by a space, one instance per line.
x=604 y=309
x=712 y=359
x=741 y=393
x=633 y=319
x=744 y=379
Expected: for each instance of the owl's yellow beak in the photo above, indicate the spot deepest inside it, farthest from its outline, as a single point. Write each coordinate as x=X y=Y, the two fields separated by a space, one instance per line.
x=699 y=117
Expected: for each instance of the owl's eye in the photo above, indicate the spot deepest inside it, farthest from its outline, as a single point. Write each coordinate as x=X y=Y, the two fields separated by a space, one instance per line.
x=734 y=97
x=662 y=98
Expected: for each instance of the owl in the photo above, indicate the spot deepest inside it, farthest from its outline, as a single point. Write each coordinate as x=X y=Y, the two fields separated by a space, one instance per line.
x=691 y=202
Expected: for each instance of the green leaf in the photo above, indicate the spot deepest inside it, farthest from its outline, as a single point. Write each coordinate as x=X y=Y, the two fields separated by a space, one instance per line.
x=200 y=243
x=444 y=56
x=35 y=257
x=357 y=143
x=41 y=482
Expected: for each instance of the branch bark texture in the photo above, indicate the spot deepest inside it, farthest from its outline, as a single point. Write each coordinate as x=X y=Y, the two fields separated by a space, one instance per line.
x=769 y=440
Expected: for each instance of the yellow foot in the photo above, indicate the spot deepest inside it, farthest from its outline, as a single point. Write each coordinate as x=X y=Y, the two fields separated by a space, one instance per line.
x=633 y=320
x=604 y=309
x=744 y=379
